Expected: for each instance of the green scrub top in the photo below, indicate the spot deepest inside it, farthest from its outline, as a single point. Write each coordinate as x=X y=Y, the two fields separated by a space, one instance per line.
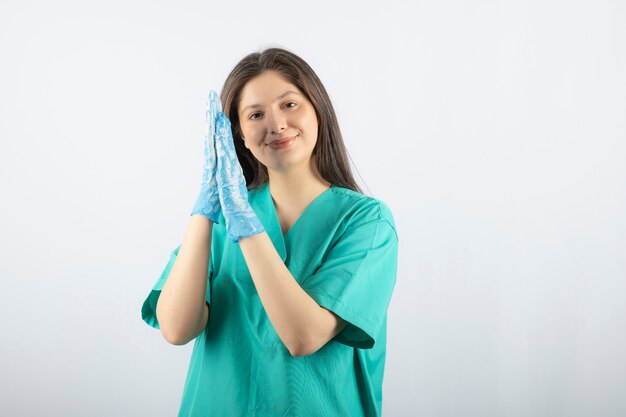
x=343 y=252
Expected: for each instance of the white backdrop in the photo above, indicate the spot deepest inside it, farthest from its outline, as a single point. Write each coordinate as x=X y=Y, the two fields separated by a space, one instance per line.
x=495 y=132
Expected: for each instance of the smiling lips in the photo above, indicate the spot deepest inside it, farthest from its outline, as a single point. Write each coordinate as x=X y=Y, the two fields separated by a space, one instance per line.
x=283 y=142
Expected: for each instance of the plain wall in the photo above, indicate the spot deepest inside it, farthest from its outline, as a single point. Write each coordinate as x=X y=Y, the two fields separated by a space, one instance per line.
x=495 y=132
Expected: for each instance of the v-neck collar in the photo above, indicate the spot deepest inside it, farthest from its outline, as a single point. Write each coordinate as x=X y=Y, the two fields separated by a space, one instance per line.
x=304 y=212
x=269 y=218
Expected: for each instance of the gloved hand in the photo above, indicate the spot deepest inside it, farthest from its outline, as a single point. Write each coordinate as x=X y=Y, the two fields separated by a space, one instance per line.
x=241 y=221
x=208 y=202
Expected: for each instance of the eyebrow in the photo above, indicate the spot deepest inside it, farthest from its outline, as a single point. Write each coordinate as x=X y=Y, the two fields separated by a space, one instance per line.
x=283 y=95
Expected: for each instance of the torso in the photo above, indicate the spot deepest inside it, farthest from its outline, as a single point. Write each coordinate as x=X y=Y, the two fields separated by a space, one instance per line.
x=240 y=347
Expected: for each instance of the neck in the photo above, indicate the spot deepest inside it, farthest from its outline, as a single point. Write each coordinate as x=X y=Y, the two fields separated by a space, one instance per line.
x=296 y=188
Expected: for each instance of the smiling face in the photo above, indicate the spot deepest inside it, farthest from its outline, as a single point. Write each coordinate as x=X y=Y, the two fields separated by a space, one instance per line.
x=278 y=123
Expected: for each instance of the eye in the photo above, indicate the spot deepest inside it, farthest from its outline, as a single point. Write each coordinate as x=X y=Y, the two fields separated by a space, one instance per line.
x=291 y=102
x=251 y=117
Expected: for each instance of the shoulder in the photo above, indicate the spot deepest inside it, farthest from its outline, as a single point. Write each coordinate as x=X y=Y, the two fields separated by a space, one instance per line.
x=360 y=209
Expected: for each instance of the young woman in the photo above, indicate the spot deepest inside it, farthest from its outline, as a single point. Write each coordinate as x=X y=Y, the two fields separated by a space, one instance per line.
x=286 y=270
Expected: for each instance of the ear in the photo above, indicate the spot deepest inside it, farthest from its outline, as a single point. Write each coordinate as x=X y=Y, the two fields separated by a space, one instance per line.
x=244 y=142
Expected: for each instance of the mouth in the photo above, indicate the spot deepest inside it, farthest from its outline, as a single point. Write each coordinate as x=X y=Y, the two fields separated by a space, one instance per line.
x=283 y=142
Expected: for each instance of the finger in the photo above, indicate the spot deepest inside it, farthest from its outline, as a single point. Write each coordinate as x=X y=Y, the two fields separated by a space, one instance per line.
x=224 y=133
x=214 y=106
x=221 y=143
x=222 y=159
x=226 y=147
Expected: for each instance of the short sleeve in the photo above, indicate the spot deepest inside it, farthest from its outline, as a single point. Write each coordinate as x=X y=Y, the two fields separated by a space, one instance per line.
x=356 y=280
x=148 y=310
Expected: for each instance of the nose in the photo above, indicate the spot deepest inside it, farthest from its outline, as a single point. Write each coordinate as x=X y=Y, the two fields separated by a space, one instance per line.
x=276 y=122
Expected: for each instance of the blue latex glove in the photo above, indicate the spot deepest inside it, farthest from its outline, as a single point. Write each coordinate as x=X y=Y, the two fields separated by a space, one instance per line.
x=208 y=202
x=241 y=221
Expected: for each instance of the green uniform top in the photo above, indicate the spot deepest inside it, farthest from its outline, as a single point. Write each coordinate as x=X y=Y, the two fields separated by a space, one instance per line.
x=343 y=252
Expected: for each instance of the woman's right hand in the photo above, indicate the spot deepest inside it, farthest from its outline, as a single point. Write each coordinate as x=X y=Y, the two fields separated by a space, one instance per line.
x=208 y=202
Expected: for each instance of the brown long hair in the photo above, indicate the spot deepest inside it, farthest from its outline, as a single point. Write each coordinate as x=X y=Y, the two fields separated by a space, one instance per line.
x=329 y=155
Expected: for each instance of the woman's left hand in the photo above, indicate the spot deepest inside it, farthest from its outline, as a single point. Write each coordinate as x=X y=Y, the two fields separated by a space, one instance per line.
x=241 y=221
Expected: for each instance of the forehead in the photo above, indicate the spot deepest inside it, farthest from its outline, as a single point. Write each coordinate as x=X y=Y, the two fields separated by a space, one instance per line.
x=265 y=88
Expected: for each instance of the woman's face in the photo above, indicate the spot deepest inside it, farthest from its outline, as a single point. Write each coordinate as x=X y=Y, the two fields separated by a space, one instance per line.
x=278 y=123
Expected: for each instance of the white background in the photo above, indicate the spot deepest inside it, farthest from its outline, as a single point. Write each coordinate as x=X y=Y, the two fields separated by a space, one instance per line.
x=495 y=131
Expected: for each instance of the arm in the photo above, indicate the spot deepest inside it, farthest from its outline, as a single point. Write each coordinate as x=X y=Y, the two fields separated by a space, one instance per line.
x=182 y=310
x=302 y=325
